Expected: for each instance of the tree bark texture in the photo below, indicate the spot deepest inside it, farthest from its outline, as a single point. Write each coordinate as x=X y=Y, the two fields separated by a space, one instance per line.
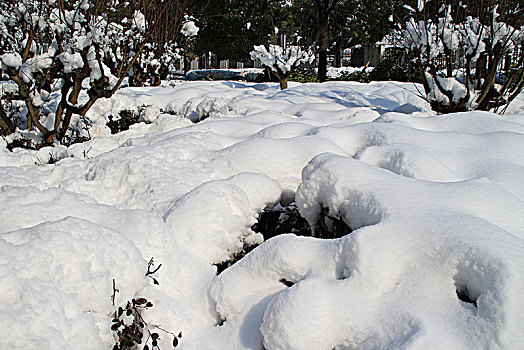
x=338 y=54
x=6 y=125
x=324 y=10
x=283 y=83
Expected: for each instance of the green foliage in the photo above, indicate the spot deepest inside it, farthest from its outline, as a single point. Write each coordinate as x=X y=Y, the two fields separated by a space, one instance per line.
x=396 y=65
x=212 y=77
x=361 y=77
x=304 y=76
x=304 y=13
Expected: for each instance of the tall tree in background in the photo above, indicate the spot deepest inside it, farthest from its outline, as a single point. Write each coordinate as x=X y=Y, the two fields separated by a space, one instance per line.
x=341 y=24
x=360 y=22
x=230 y=28
x=325 y=10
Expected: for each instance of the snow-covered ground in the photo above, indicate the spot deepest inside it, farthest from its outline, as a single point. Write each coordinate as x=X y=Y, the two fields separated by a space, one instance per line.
x=436 y=204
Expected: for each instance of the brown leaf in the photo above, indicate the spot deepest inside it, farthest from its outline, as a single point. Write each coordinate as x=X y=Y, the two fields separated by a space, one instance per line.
x=141 y=301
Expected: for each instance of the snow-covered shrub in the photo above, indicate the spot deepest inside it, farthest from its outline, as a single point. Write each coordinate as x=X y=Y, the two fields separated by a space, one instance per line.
x=65 y=55
x=468 y=55
x=281 y=62
x=158 y=59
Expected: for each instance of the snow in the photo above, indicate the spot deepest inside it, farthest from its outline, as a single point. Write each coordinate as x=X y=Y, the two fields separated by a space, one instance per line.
x=452 y=85
x=71 y=62
x=190 y=29
x=11 y=60
x=140 y=21
x=435 y=203
x=336 y=72
x=281 y=60
x=36 y=64
x=420 y=5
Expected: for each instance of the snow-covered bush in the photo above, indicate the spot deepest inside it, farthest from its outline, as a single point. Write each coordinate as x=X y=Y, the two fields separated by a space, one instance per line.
x=65 y=55
x=469 y=56
x=158 y=59
x=154 y=64
x=281 y=62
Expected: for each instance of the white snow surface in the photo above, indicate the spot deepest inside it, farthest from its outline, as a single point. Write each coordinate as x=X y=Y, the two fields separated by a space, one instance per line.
x=436 y=204
x=190 y=29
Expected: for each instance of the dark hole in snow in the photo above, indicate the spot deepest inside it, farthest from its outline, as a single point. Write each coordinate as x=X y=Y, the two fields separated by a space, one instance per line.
x=125 y=120
x=279 y=220
x=284 y=218
x=20 y=143
x=465 y=295
x=329 y=226
x=221 y=266
x=286 y=282
x=220 y=321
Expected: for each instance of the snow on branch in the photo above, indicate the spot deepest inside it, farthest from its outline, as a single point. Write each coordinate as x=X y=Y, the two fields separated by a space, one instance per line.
x=465 y=60
x=189 y=29
x=54 y=46
x=282 y=62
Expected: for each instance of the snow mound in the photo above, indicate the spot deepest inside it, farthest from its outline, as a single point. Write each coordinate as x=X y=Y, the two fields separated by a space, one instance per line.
x=435 y=205
x=395 y=280
x=239 y=199
x=63 y=295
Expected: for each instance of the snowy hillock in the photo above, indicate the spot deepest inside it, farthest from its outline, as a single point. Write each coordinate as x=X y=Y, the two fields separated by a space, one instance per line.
x=429 y=255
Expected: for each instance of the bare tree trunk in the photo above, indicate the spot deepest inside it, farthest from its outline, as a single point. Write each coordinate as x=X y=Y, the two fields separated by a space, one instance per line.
x=422 y=74
x=324 y=10
x=338 y=54
x=322 y=52
x=6 y=125
x=283 y=83
x=187 y=64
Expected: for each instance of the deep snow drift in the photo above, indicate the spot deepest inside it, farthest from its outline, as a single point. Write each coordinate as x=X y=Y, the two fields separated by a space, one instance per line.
x=436 y=205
